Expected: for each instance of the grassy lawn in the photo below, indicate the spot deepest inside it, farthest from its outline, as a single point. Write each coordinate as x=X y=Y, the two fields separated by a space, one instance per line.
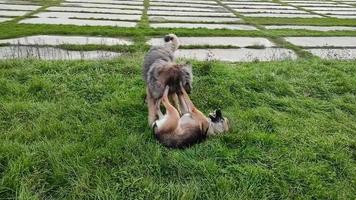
x=303 y=21
x=78 y=130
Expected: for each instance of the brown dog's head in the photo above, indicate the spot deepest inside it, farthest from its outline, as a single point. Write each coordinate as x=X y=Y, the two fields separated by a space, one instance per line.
x=218 y=123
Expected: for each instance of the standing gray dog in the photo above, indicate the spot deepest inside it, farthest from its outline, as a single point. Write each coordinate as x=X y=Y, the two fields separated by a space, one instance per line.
x=160 y=70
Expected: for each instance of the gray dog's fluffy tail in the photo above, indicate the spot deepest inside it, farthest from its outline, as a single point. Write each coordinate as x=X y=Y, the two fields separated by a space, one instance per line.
x=174 y=39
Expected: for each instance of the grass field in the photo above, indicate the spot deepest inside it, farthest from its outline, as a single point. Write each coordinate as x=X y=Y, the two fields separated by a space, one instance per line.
x=78 y=130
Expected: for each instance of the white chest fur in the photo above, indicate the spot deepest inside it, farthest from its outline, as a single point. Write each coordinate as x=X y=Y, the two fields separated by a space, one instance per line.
x=161 y=122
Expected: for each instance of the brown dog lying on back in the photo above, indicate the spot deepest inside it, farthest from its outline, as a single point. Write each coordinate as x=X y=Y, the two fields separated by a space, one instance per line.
x=177 y=130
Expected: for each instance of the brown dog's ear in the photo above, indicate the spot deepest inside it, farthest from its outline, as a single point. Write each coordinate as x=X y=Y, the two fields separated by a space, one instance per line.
x=212 y=117
x=218 y=114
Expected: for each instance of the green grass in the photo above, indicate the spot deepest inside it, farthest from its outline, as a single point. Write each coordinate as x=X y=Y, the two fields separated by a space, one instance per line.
x=144 y=22
x=45 y=2
x=44 y=5
x=299 y=8
x=309 y=33
x=17 y=30
x=33 y=2
x=303 y=21
x=78 y=130
x=115 y=48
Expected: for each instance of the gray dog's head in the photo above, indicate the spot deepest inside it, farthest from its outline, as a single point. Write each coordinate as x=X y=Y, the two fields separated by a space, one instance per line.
x=187 y=76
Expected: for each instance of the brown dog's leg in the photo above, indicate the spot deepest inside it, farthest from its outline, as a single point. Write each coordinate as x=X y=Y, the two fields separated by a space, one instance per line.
x=152 y=111
x=171 y=111
x=197 y=114
x=185 y=100
x=170 y=121
x=176 y=103
x=183 y=105
x=158 y=108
